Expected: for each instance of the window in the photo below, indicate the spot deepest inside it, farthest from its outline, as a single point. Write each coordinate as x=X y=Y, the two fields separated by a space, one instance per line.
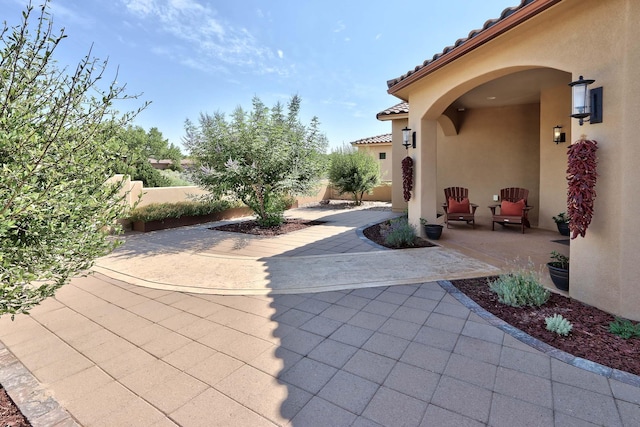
x=382 y=156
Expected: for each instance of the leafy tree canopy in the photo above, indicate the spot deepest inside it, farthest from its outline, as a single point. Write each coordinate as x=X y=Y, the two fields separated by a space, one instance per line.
x=55 y=209
x=260 y=157
x=135 y=147
x=353 y=171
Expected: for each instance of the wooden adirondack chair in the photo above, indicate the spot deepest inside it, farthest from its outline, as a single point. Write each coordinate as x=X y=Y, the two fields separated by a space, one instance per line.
x=514 y=211
x=457 y=207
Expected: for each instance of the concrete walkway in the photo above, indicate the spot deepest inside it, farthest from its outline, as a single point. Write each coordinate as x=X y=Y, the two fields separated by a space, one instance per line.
x=162 y=347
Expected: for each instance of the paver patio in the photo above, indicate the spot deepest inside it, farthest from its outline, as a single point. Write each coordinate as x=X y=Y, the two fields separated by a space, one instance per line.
x=114 y=353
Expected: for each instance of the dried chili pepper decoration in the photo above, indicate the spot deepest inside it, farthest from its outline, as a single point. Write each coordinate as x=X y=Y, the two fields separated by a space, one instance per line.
x=407 y=177
x=581 y=193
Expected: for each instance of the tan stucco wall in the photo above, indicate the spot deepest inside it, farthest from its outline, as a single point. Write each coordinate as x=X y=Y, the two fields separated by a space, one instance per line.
x=554 y=104
x=170 y=194
x=593 y=38
x=397 y=199
x=385 y=165
x=381 y=193
x=496 y=148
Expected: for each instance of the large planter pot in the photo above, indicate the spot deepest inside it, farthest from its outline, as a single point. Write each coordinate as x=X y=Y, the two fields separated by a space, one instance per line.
x=563 y=228
x=433 y=231
x=559 y=276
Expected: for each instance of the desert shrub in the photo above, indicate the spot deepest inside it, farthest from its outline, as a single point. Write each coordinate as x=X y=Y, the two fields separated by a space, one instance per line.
x=399 y=233
x=259 y=157
x=159 y=211
x=624 y=328
x=176 y=178
x=354 y=172
x=520 y=288
x=558 y=324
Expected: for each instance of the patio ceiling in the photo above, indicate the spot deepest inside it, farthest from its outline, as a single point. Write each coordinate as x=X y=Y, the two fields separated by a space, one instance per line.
x=523 y=87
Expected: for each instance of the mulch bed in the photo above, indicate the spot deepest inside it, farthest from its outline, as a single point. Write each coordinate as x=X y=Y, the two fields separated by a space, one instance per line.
x=10 y=415
x=373 y=233
x=590 y=338
x=252 y=227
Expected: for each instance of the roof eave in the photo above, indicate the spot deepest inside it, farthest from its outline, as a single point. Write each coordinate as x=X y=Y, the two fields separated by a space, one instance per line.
x=385 y=117
x=499 y=28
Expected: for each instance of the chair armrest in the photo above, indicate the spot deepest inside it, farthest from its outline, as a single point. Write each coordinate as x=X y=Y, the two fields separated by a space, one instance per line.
x=473 y=208
x=445 y=206
x=493 y=209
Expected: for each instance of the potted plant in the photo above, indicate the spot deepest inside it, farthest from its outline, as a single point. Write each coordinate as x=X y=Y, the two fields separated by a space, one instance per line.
x=562 y=221
x=559 y=270
x=433 y=231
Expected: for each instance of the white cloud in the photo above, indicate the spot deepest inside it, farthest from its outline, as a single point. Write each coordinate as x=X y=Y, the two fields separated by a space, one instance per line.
x=207 y=40
x=340 y=27
x=144 y=7
x=280 y=54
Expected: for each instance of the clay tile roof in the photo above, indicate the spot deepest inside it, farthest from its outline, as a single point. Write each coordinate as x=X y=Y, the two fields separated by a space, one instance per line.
x=401 y=108
x=380 y=139
x=460 y=42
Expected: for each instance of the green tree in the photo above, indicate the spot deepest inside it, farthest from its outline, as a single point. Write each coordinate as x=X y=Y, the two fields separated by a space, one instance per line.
x=135 y=147
x=55 y=209
x=260 y=157
x=151 y=144
x=353 y=171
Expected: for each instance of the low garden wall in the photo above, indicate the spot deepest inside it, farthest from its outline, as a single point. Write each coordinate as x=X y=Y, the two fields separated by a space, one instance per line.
x=147 y=196
x=136 y=193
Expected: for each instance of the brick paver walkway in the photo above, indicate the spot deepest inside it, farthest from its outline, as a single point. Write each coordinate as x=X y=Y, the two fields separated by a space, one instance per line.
x=112 y=353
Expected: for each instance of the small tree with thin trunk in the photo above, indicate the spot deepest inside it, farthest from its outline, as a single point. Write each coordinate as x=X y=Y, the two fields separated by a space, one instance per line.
x=261 y=158
x=355 y=172
x=55 y=209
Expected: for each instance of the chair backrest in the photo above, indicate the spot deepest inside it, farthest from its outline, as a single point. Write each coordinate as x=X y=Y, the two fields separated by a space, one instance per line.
x=514 y=194
x=456 y=193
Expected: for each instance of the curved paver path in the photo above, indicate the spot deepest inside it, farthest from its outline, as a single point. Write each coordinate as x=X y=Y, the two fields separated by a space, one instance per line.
x=323 y=257
x=115 y=353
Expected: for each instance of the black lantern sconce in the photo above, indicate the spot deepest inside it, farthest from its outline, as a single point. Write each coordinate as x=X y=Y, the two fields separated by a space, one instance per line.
x=586 y=102
x=558 y=135
x=406 y=132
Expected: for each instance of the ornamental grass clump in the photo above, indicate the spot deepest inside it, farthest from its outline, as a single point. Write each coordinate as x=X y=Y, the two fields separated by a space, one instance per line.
x=558 y=324
x=399 y=233
x=624 y=328
x=520 y=288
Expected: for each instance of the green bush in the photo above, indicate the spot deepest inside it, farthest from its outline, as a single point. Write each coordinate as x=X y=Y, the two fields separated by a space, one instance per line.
x=624 y=328
x=150 y=177
x=176 y=178
x=558 y=324
x=354 y=172
x=159 y=211
x=399 y=233
x=520 y=288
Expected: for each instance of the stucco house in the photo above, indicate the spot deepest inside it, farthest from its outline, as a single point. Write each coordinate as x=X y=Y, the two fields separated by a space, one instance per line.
x=484 y=112
x=380 y=148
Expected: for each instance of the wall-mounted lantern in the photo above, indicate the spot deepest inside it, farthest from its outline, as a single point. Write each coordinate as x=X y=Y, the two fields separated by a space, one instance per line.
x=586 y=102
x=406 y=133
x=558 y=135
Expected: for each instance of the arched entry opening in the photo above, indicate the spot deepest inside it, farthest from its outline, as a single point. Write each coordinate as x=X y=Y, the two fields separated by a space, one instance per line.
x=496 y=132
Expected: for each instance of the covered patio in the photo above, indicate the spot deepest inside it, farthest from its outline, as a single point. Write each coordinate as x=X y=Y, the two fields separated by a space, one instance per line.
x=507 y=248
x=483 y=113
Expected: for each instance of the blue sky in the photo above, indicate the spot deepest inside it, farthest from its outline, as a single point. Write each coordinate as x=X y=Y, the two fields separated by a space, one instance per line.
x=193 y=56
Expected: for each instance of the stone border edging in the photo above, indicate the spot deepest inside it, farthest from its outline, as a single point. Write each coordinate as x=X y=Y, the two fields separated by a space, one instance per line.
x=578 y=362
x=34 y=401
